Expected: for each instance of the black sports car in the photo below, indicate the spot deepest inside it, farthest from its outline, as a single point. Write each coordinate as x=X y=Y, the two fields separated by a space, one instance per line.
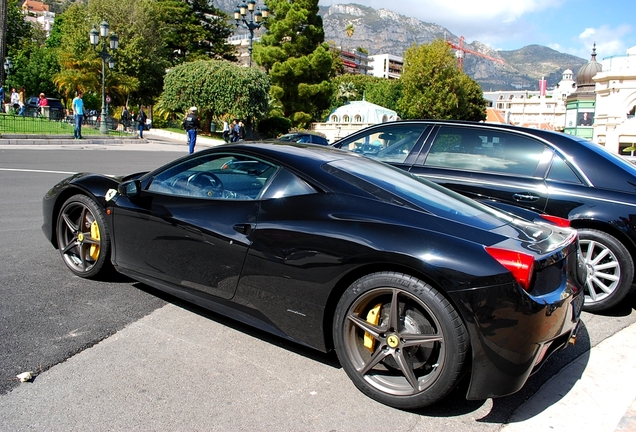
x=546 y=172
x=410 y=283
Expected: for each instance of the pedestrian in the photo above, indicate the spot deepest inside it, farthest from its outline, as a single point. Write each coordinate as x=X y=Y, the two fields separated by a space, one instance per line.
x=42 y=102
x=191 y=124
x=234 y=133
x=14 y=99
x=78 y=109
x=21 y=94
x=141 y=122
x=226 y=131
x=125 y=117
x=241 y=132
x=2 y=95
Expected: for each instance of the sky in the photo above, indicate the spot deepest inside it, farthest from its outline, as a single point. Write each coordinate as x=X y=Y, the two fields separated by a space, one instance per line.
x=568 y=26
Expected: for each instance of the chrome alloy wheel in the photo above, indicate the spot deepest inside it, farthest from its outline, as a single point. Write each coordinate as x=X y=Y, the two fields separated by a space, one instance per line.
x=401 y=351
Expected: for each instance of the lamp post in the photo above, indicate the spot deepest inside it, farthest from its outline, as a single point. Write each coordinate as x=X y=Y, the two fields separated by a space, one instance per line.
x=8 y=65
x=256 y=17
x=106 y=57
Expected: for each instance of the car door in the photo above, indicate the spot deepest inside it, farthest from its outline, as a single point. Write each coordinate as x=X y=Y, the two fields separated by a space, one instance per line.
x=187 y=231
x=488 y=164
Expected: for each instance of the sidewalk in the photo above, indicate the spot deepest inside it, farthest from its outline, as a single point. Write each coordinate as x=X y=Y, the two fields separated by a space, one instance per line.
x=602 y=395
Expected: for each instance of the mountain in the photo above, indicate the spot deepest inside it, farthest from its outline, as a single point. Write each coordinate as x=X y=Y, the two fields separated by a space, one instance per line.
x=382 y=31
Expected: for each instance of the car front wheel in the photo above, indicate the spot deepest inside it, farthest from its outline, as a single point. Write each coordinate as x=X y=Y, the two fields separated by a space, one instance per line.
x=82 y=237
x=610 y=270
x=399 y=340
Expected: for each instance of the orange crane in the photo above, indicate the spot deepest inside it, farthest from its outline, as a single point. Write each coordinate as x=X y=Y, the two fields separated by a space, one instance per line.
x=461 y=51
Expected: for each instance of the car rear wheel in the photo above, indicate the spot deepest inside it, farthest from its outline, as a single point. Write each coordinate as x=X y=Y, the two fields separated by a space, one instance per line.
x=399 y=340
x=82 y=237
x=610 y=270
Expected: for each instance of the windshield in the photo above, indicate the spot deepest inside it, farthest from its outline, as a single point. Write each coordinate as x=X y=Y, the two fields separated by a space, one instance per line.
x=416 y=191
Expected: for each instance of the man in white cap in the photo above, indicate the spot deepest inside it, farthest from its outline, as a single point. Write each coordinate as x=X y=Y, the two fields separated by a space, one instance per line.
x=191 y=124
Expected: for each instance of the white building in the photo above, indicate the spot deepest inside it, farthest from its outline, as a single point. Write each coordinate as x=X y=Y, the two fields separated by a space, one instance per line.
x=386 y=66
x=531 y=109
x=614 y=121
x=352 y=117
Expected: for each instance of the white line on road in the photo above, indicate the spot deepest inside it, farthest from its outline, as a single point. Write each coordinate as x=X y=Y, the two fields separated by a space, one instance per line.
x=36 y=171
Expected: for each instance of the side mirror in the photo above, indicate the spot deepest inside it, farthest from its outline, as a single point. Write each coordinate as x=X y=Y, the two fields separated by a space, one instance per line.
x=130 y=189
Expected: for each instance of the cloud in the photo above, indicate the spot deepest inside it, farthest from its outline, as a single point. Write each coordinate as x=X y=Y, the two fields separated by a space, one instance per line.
x=609 y=40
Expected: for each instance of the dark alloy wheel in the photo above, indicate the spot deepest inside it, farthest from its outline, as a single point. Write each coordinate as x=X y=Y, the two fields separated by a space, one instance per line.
x=82 y=237
x=399 y=340
x=610 y=270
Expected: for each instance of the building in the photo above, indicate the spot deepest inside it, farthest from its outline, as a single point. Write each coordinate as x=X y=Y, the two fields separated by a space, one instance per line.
x=38 y=12
x=387 y=66
x=355 y=62
x=615 y=87
x=352 y=117
x=533 y=108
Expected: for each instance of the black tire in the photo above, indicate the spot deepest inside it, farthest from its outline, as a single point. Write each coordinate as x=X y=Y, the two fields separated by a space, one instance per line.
x=610 y=270
x=83 y=238
x=419 y=343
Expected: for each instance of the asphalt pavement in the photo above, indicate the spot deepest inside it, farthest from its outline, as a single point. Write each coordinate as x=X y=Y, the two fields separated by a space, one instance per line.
x=146 y=376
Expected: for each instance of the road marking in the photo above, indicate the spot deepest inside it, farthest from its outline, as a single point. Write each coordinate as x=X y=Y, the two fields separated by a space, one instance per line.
x=36 y=171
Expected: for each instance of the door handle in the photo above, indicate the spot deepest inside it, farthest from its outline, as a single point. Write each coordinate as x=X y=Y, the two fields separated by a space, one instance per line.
x=243 y=228
x=525 y=197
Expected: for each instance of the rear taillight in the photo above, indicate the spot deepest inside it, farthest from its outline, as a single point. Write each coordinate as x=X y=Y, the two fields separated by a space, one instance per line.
x=558 y=221
x=519 y=264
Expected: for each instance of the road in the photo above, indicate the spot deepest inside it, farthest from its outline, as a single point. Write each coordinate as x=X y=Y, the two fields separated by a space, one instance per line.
x=119 y=355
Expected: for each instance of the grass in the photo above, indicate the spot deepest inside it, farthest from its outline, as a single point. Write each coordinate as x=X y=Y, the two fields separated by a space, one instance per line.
x=12 y=124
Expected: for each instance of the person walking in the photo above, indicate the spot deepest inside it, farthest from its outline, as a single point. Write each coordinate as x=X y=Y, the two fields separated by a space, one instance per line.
x=234 y=133
x=14 y=99
x=78 y=109
x=191 y=124
x=141 y=122
x=226 y=131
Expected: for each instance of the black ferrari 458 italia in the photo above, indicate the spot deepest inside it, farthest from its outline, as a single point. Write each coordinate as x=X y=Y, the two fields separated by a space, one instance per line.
x=410 y=283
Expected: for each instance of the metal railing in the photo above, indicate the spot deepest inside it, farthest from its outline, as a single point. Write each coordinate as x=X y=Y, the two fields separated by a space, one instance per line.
x=37 y=125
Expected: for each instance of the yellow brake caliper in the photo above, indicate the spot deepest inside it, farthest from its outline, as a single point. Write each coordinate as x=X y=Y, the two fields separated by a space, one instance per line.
x=94 y=249
x=373 y=317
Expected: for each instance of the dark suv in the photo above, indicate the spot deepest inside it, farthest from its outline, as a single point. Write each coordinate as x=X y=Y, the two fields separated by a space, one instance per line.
x=546 y=172
x=56 y=109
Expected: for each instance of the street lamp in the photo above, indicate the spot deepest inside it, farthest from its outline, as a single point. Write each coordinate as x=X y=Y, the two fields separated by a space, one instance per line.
x=255 y=20
x=106 y=57
x=8 y=65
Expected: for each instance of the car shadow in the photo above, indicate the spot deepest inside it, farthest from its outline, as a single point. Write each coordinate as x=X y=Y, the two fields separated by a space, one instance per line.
x=328 y=359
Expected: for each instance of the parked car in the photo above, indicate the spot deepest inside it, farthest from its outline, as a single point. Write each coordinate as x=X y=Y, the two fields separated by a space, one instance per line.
x=303 y=137
x=56 y=109
x=410 y=283
x=542 y=171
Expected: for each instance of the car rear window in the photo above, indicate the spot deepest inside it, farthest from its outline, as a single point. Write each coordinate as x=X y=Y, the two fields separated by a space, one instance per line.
x=398 y=187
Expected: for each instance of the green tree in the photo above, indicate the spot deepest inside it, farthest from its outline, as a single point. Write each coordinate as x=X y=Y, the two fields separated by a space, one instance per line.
x=434 y=87
x=216 y=88
x=299 y=62
x=16 y=32
x=386 y=93
x=193 y=30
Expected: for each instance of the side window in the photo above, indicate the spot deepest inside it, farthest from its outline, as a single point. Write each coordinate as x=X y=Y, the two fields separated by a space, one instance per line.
x=286 y=184
x=389 y=144
x=560 y=171
x=224 y=176
x=484 y=150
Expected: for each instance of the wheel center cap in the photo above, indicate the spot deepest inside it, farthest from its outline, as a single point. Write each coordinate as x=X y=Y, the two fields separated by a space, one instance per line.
x=393 y=341
x=590 y=270
x=80 y=237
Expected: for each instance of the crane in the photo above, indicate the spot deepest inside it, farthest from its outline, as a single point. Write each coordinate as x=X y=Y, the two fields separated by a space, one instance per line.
x=460 y=51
